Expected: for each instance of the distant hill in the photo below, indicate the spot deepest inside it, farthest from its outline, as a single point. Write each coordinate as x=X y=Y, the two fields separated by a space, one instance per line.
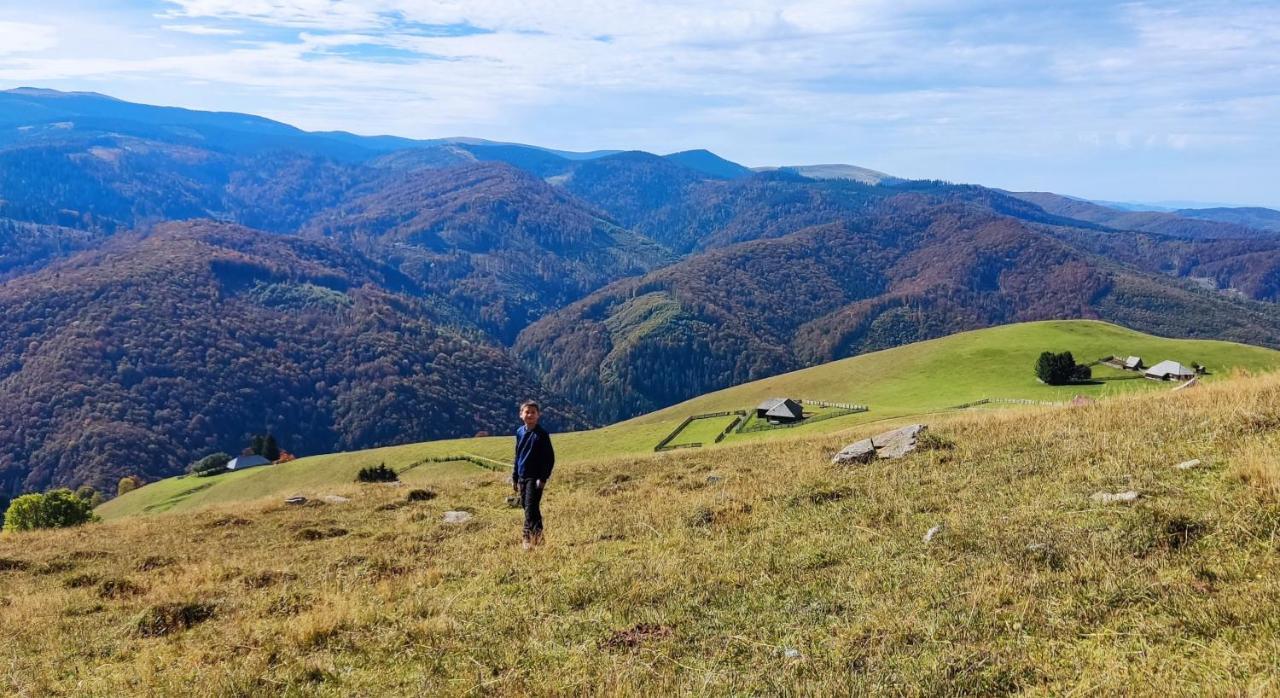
x=150 y=352
x=913 y=270
x=1171 y=224
x=709 y=163
x=1248 y=216
x=835 y=171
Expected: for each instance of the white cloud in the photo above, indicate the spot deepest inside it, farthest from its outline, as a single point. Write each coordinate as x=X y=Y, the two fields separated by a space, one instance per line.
x=201 y=30
x=24 y=37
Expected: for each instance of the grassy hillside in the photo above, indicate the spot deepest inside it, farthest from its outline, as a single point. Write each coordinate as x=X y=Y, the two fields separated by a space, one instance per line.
x=753 y=569
x=916 y=379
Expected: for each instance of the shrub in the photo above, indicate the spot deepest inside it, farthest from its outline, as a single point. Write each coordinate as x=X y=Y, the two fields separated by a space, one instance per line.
x=165 y=619
x=211 y=464
x=421 y=495
x=378 y=473
x=128 y=483
x=53 y=509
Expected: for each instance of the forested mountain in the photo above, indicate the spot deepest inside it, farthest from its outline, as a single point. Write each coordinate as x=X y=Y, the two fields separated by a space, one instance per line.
x=911 y=267
x=1249 y=216
x=349 y=291
x=499 y=244
x=154 y=349
x=1171 y=224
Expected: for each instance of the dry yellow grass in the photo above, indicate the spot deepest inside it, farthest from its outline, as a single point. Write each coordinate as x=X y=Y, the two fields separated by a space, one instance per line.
x=696 y=572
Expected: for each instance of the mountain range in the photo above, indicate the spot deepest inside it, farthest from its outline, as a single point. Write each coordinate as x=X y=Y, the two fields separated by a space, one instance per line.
x=173 y=282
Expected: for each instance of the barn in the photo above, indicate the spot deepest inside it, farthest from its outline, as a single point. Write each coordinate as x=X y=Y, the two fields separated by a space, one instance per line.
x=1170 y=370
x=780 y=410
x=243 y=462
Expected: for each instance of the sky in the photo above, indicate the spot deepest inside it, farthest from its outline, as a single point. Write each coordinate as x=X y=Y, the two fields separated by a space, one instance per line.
x=1121 y=101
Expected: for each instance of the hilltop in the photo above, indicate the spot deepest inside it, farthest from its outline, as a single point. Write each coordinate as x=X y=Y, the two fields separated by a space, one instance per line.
x=922 y=378
x=755 y=568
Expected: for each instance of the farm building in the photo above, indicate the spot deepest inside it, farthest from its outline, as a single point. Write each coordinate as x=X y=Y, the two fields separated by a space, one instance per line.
x=247 y=462
x=1170 y=370
x=779 y=410
x=1133 y=363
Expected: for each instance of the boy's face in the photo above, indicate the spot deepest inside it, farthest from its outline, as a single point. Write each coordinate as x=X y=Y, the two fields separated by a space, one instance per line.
x=529 y=415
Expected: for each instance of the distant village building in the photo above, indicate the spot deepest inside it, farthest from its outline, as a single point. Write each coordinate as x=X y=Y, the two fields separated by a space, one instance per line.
x=1170 y=370
x=780 y=410
x=1133 y=363
x=243 y=462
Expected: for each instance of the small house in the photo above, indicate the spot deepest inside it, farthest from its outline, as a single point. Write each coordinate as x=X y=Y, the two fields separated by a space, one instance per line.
x=780 y=410
x=251 y=461
x=1133 y=363
x=1170 y=370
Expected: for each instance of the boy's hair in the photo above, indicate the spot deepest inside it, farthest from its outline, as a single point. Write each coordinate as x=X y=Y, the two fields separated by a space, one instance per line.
x=530 y=403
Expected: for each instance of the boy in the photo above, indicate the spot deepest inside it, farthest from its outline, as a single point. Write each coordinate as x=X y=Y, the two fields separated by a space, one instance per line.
x=532 y=468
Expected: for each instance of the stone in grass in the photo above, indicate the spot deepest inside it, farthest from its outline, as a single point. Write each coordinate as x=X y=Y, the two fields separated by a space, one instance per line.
x=714 y=479
x=1126 y=497
x=899 y=442
x=335 y=499
x=1189 y=464
x=296 y=500
x=932 y=533
x=857 y=452
x=792 y=653
x=458 y=517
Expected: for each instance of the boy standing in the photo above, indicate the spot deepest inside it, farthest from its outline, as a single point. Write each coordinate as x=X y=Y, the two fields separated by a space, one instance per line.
x=532 y=468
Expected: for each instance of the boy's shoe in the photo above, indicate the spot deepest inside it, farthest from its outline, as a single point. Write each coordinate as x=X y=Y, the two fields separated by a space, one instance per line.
x=537 y=538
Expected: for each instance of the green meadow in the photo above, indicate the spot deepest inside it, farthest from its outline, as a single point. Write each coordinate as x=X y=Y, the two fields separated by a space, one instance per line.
x=923 y=378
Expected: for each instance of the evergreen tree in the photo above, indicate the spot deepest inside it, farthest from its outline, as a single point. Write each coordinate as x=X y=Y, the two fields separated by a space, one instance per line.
x=270 y=449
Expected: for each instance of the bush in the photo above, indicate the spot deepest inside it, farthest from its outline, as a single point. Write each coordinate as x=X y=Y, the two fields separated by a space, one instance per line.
x=421 y=495
x=128 y=483
x=1061 y=369
x=53 y=509
x=211 y=464
x=378 y=473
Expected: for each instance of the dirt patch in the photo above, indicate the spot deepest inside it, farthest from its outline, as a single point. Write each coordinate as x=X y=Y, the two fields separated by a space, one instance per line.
x=154 y=562
x=228 y=521
x=118 y=589
x=321 y=533
x=80 y=581
x=9 y=564
x=262 y=580
x=637 y=636
x=169 y=618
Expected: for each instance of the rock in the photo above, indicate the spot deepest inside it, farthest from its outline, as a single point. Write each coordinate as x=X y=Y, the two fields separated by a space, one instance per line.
x=513 y=501
x=932 y=533
x=858 y=452
x=1126 y=497
x=296 y=500
x=458 y=517
x=899 y=442
x=335 y=499
x=1188 y=465
x=792 y=653
x=714 y=479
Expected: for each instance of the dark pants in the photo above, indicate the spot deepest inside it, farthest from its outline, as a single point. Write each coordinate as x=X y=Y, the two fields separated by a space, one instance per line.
x=531 y=501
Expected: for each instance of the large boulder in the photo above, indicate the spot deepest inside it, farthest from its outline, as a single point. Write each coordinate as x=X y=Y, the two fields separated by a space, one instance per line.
x=890 y=444
x=899 y=442
x=858 y=452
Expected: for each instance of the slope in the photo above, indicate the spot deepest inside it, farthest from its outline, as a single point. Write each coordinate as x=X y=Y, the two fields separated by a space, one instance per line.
x=902 y=269
x=920 y=378
x=146 y=354
x=751 y=570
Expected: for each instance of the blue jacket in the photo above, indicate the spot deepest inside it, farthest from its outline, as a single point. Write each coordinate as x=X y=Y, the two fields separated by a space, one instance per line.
x=534 y=456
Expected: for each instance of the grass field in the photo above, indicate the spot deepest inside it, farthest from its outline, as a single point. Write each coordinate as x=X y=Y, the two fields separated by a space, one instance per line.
x=703 y=431
x=750 y=569
x=922 y=378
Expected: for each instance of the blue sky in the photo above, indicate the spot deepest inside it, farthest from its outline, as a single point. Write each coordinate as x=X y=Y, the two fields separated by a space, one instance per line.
x=1131 y=101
